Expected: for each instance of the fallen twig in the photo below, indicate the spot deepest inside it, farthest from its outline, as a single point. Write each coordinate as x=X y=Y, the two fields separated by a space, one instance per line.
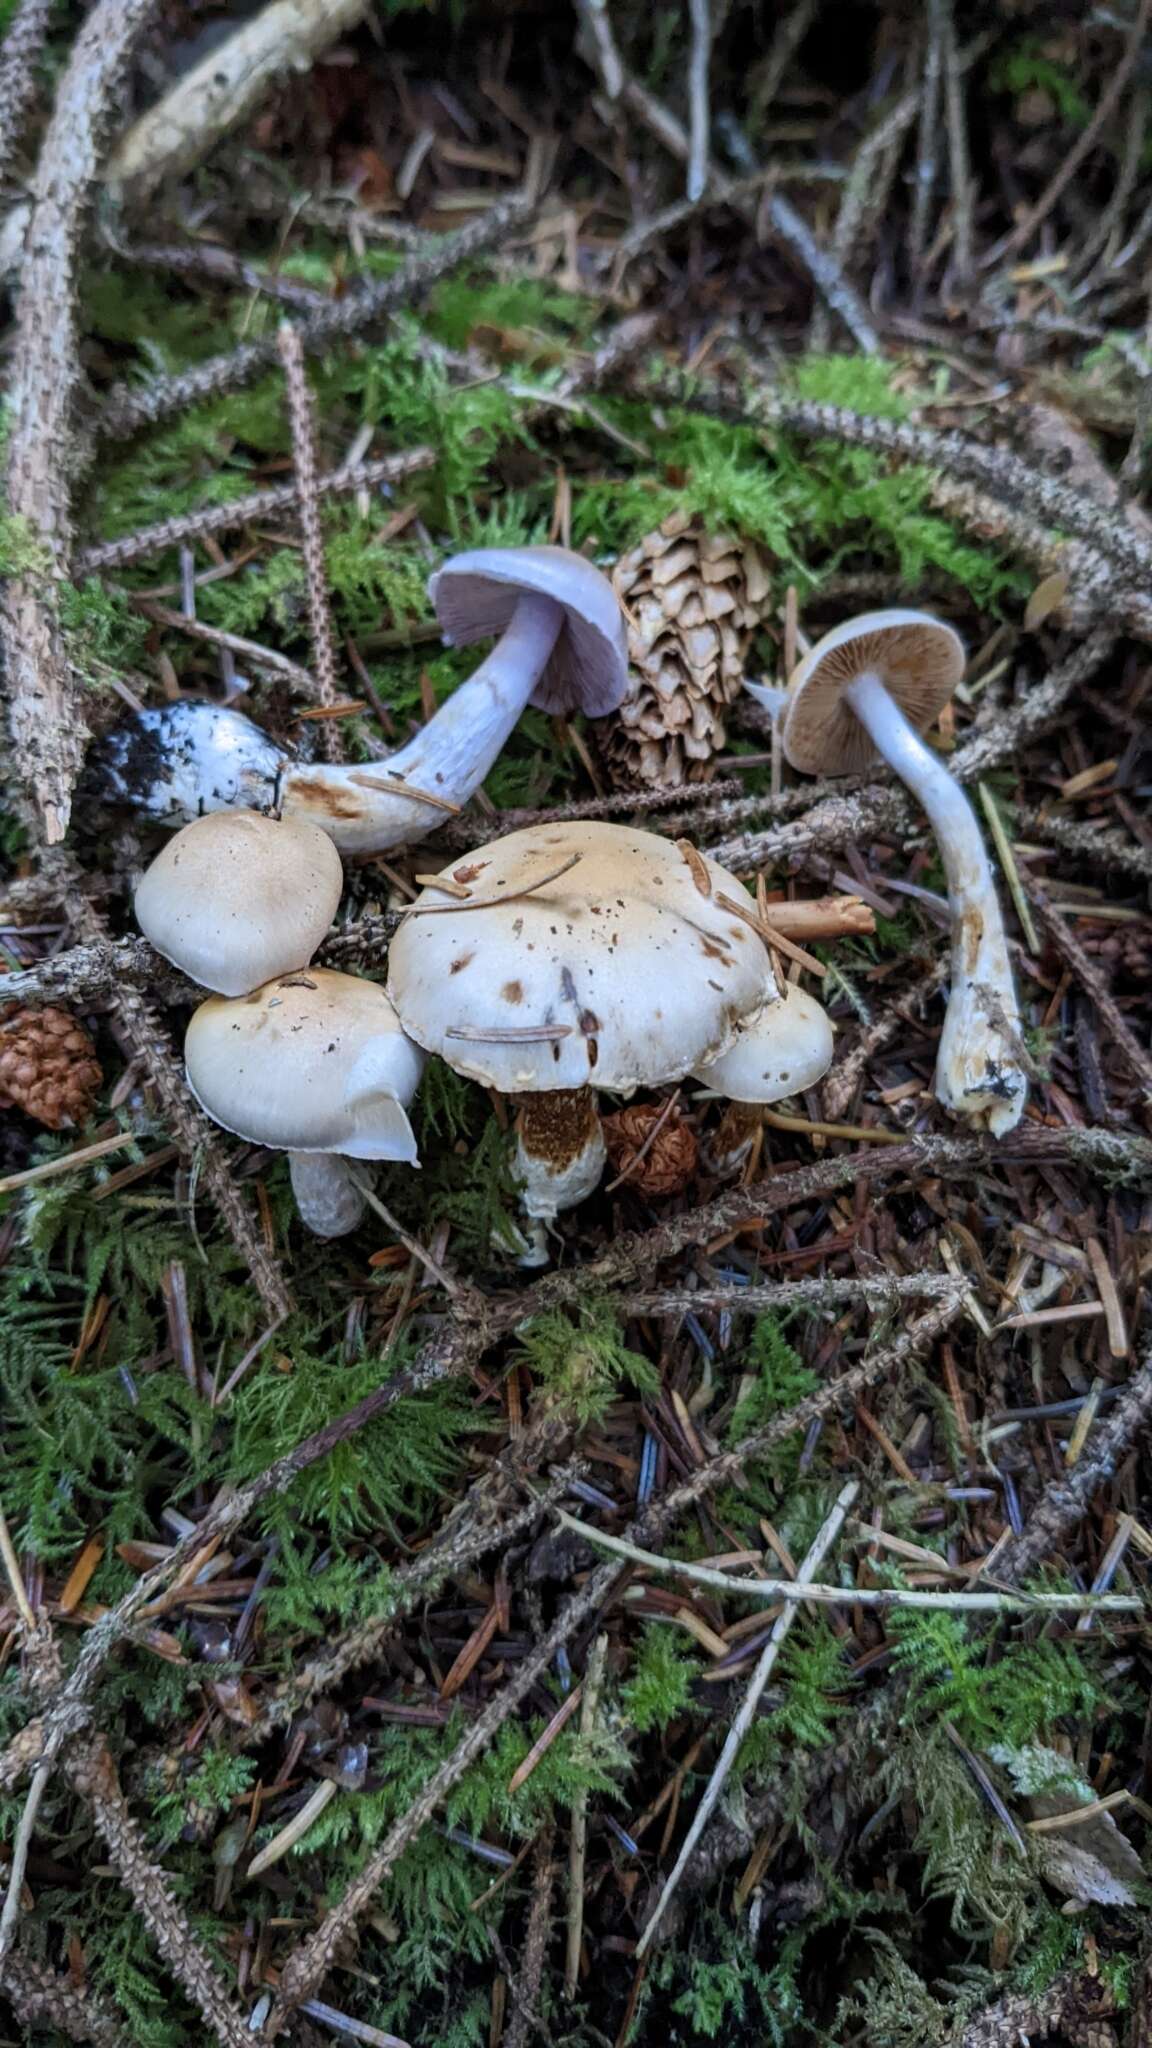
x=300 y=413
x=37 y=1996
x=1068 y=1496
x=578 y=1838
x=47 y=727
x=246 y=511
x=130 y=407
x=765 y=1665
x=93 y=1774
x=19 y=57
x=526 y=1988
x=1135 y=1057
x=767 y=1591
x=215 y=94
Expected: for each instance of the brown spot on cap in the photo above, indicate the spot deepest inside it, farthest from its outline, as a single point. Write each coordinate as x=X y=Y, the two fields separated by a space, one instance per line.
x=464 y=961
x=512 y=992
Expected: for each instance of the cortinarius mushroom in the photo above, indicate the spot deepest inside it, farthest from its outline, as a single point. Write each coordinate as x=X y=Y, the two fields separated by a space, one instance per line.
x=871 y=687
x=236 y=898
x=778 y=1050
x=561 y=647
x=314 y=1064
x=556 y=962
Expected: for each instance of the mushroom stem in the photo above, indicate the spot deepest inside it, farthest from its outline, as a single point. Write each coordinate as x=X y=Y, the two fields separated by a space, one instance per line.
x=179 y=761
x=449 y=758
x=560 y=1150
x=978 y=1071
x=329 y=1200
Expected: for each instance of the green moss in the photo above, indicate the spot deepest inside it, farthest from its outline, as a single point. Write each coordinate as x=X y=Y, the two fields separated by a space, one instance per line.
x=659 y=1687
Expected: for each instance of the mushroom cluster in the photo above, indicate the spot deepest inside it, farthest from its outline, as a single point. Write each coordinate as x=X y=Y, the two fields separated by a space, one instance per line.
x=553 y=965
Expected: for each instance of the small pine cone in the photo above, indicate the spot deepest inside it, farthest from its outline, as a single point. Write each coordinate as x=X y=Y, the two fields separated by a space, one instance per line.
x=48 y=1066
x=670 y=1161
x=691 y=601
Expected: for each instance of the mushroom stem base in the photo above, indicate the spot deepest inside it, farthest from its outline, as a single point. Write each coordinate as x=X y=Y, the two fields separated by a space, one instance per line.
x=329 y=1200
x=560 y=1150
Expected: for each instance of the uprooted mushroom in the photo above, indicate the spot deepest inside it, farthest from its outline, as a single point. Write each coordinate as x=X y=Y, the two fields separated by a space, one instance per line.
x=559 y=645
x=868 y=688
x=577 y=958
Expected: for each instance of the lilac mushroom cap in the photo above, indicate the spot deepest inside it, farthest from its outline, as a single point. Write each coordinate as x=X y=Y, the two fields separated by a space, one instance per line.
x=476 y=595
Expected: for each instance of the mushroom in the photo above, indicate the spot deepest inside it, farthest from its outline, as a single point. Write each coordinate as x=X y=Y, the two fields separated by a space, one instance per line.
x=778 y=1050
x=870 y=687
x=236 y=898
x=573 y=958
x=317 y=1065
x=560 y=646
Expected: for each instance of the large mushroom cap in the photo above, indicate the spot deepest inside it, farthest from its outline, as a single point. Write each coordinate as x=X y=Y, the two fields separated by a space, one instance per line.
x=777 y=1050
x=313 y=1062
x=918 y=659
x=236 y=897
x=626 y=969
x=475 y=595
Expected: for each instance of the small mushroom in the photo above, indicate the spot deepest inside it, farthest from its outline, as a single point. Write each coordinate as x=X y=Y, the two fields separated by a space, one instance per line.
x=236 y=898
x=871 y=687
x=778 y=1050
x=313 y=1064
x=560 y=646
x=574 y=958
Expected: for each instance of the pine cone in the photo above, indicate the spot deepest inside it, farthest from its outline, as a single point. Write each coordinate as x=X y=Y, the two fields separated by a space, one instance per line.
x=670 y=1162
x=691 y=600
x=48 y=1066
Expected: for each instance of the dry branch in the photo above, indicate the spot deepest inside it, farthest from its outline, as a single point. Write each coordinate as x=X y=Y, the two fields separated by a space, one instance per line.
x=93 y=1775
x=247 y=511
x=765 y=1665
x=39 y=1997
x=1135 y=1057
x=996 y=469
x=19 y=58
x=1069 y=1496
x=47 y=728
x=301 y=414
x=219 y=91
x=132 y=406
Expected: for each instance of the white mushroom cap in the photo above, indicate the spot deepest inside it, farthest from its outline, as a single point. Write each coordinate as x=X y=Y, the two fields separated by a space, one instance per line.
x=475 y=595
x=313 y=1062
x=235 y=898
x=918 y=659
x=641 y=973
x=778 y=1050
